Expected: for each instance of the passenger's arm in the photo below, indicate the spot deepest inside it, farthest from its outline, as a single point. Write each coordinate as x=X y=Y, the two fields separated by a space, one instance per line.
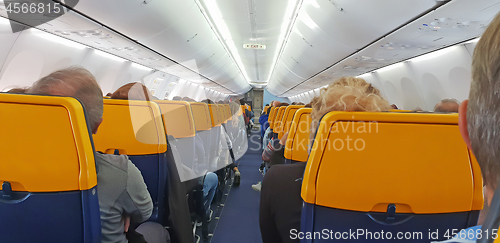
x=138 y=205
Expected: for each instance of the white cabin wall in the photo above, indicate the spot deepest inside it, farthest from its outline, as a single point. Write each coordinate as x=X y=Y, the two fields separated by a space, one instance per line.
x=34 y=54
x=31 y=56
x=160 y=84
x=200 y=93
x=181 y=89
x=195 y=91
x=400 y=86
x=424 y=81
x=111 y=74
x=445 y=76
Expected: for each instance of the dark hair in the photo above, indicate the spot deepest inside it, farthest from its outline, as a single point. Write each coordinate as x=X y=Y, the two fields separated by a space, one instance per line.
x=18 y=91
x=132 y=91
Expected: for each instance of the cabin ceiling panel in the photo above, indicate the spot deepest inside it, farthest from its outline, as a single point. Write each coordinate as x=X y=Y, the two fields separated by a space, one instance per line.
x=216 y=69
x=176 y=29
x=252 y=22
x=79 y=29
x=353 y=23
x=186 y=39
x=134 y=18
x=340 y=27
x=455 y=22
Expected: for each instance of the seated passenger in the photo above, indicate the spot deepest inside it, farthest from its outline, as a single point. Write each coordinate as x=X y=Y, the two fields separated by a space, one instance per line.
x=280 y=201
x=274 y=152
x=478 y=117
x=123 y=196
x=264 y=123
x=137 y=91
x=132 y=91
x=188 y=99
x=266 y=140
x=447 y=105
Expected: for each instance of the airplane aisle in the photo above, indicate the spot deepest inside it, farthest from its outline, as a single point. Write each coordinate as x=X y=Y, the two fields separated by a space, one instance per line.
x=239 y=221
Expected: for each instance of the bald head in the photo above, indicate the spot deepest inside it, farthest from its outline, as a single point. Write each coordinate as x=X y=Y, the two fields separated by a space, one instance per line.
x=276 y=103
x=447 y=105
x=74 y=82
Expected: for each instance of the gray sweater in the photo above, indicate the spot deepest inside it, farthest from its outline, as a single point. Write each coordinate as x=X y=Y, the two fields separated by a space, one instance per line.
x=122 y=192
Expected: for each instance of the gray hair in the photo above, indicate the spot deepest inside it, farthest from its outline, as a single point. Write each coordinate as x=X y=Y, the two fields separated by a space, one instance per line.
x=483 y=112
x=75 y=82
x=445 y=105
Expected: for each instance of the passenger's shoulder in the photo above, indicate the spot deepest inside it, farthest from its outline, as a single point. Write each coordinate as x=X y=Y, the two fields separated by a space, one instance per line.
x=118 y=161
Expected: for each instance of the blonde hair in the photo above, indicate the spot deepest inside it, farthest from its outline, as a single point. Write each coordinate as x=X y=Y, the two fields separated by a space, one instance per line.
x=483 y=112
x=346 y=94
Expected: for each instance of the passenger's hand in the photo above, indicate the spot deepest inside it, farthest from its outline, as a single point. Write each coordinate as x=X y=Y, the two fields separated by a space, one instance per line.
x=126 y=220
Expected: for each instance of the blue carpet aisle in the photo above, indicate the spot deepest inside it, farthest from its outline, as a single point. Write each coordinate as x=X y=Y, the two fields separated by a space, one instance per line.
x=239 y=221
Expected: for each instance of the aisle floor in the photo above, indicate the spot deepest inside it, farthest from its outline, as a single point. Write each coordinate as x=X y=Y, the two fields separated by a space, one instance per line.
x=239 y=217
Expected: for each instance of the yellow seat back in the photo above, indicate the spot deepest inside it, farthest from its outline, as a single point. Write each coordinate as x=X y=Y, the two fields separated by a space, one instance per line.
x=222 y=113
x=177 y=118
x=298 y=136
x=48 y=174
x=266 y=108
x=133 y=127
x=214 y=115
x=417 y=162
x=272 y=114
x=45 y=145
x=228 y=112
x=277 y=119
x=201 y=116
x=286 y=121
